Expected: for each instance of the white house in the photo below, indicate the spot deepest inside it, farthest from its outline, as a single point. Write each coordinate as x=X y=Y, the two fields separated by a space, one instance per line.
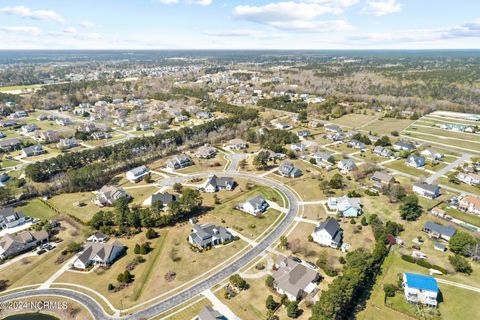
x=427 y=190
x=328 y=233
x=255 y=206
x=469 y=178
x=136 y=174
x=420 y=289
x=97 y=237
x=214 y=184
x=470 y=204
x=431 y=154
x=346 y=165
x=98 y=254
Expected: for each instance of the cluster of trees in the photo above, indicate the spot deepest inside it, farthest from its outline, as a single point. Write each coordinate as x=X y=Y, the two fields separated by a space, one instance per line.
x=348 y=289
x=135 y=216
x=362 y=138
x=283 y=103
x=410 y=209
x=465 y=245
x=383 y=142
x=273 y=139
x=238 y=282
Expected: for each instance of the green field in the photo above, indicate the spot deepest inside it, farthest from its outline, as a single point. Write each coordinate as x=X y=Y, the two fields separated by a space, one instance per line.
x=20 y=87
x=36 y=208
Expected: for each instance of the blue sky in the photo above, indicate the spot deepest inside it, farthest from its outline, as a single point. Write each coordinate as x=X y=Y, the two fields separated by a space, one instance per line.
x=239 y=24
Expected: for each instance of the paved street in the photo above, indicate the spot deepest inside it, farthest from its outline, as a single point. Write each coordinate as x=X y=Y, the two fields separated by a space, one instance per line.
x=451 y=166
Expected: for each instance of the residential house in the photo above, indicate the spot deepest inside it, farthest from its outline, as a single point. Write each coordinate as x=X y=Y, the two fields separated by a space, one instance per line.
x=206 y=152
x=328 y=233
x=288 y=169
x=332 y=128
x=432 y=154
x=208 y=313
x=101 y=135
x=381 y=179
x=136 y=174
x=214 y=184
x=19 y=114
x=63 y=121
x=294 y=279
x=30 y=127
x=438 y=231
x=98 y=237
x=356 y=144
x=419 y=288
x=97 y=253
x=10 y=218
x=345 y=206
x=14 y=244
x=237 y=144
x=9 y=144
x=67 y=143
x=415 y=161
x=255 y=206
x=314 y=124
x=48 y=136
x=469 y=178
x=8 y=123
x=298 y=146
x=427 y=190
x=336 y=136
x=303 y=133
x=403 y=145
x=282 y=125
x=470 y=204
x=34 y=150
x=108 y=194
x=384 y=152
x=179 y=161
x=323 y=157
x=208 y=235
x=346 y=165
x=204 y=115
x=165 y=198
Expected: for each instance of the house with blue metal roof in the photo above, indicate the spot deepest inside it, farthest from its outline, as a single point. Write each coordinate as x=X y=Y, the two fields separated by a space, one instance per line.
x=419 y=288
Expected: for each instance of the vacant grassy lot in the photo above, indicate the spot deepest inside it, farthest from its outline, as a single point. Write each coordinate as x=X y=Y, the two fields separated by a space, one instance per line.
x=20 y=88
x=443 y=140
x=353 y=120
x=400 y=165
x=386 y=125
x=36 y=208
x=67 y=203
x=472 y=137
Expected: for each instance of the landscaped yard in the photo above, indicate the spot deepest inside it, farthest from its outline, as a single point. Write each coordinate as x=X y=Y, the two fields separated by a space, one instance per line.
x=36 y=208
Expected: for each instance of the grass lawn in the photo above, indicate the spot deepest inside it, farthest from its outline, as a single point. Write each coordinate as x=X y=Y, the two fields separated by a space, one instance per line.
x=20 y=87
x=66 y=204
x=193 y=309
x=460 y=186
x=201 y=165
x=400 y=165
x=444 y=140
x=466 y=217
x=141 y=194
x=386 y=125
x=36 y=208
x=474 y=138
x=353 y=120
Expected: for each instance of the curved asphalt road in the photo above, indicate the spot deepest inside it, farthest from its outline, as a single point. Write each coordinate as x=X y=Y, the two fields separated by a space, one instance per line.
x=183 y=296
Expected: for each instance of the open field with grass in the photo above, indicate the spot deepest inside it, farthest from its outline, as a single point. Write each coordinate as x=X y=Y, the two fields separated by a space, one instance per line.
x=443 y=141
x=385 y=126
x=400 y=165
x=20 y=88
x=461 y=186
x=353 y=120
x=68 y=203
x=36 y=208
x=466 y=217
x=472 y=137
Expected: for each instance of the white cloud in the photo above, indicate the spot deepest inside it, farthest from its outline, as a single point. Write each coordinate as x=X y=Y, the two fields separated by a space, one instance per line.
x=381 y=8
x=199 y=2
x=87 y=24
x=33 y=31
x=24 y=12
x=297 y=15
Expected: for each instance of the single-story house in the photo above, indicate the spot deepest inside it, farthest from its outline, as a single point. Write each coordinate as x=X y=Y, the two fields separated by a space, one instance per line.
x=469 y=178
x=427 y=190
x=214 y=184
x=67 y=143
x=10 y=218
x=419 y=288
x=328 y=233
x=470 y=204
x=136 y=174
x=34 y=150
x=332 y=128
x=237 y=144
x=30 y=127
x=403 y=145
x=255 y=206
x=14 y=244
x=415 y=161
x=297 y=146
x=179 y=161
x=381 y=179
x=208 y=235
x=206 y=152
x=438 y=231
x=288 y=169
x=9 y=144
x=323 y=157
x=108 y=194
x=97 y=237
x=347 y=207
x=97 y=253
x=165 y=198
x=294 y=279
x=48 y=136
x=384 y=152
x=346 y=165
x=356 y=144
x=432 y=154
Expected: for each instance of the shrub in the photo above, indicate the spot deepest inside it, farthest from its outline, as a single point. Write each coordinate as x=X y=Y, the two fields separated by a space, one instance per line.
x=408 y=258
x=292 y=309
x=269 y=281
x=110 y=287
x=460 y=264
x=310 y=238
x=364 y=221
x=352 y=221
x=423 y=263
x=342 y=260
x=270 y=304
x=151 y=234
x=389 y=290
